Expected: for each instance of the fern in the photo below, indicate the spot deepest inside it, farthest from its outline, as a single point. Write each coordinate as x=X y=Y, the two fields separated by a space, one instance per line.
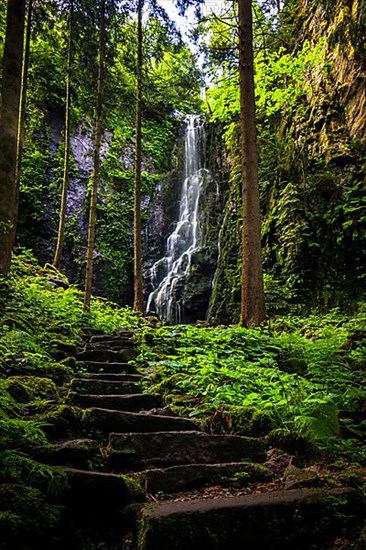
x=17 y=466
x=319 y=421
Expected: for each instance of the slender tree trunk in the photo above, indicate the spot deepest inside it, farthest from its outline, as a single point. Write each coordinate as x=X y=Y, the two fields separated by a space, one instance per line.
x=96 y=162
x=138 y=290
x=9 y=123
x=66 y=171
x=23 y=104
x=252 y=298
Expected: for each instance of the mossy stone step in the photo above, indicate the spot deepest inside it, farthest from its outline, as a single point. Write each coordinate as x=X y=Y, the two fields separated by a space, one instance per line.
x=107 y=355
x=103 y=387
x=189 y=476
x=132 y=402
x=107 y=339
x=97 y=499
x=107 y=421
x=75 y=453
x=281 y=520
x=138 y=450
x=114 y=344
x=115 y=377
x=105 y=367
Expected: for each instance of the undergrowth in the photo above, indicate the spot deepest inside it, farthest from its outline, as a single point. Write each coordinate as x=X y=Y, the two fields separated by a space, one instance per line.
x=301 y=375
x=298 y=376
x=41 y=324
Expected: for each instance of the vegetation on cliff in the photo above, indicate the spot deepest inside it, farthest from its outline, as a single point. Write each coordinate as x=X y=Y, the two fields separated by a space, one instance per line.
x=298 y=381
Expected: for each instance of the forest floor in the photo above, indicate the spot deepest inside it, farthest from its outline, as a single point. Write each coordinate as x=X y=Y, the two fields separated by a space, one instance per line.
x=296 y=386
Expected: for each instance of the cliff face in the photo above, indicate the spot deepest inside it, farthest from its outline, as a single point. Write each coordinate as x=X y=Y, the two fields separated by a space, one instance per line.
x=312 y=174
x=337 y=95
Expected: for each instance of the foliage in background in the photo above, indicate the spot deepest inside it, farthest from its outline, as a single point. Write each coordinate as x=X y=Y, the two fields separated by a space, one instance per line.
x=171 y=85
x=312 y=172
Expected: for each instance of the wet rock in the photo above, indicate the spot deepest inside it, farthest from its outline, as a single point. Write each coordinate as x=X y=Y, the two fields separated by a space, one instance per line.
x=281 y=520
x=184 y=447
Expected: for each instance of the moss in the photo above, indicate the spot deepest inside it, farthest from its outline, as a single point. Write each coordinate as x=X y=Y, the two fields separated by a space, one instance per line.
x=251 y=472
x=30 y=388
x=59 y=420
x=240 y=420
x=293 y=443
x=24 y=512
x=134 y=488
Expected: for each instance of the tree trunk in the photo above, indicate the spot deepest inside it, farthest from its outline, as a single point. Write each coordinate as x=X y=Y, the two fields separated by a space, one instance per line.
x=96 y=162
x=23 y=104
x=66 y=171
x=9 y=124
x=138 y=290
x=252 y=293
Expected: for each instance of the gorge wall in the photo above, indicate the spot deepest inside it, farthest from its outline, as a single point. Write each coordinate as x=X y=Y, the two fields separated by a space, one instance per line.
x=312 y=174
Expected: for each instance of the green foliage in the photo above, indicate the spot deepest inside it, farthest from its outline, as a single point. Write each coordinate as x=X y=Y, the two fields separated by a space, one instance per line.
x=311 y=171
x=24 y=513
x=40 y=324
x=300 y=376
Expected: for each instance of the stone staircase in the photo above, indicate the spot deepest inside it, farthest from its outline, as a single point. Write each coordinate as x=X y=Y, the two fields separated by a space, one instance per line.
x=129 y=448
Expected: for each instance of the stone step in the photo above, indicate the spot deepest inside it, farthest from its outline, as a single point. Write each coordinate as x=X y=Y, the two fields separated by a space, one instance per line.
x=110 y=343
x=278 y=520
x=102 y=338
x=107 y=355
x=115 y=377
x=107 y=421
x=105 y=367
x=103 y=387
x=97 y=499
x=138 y=450
x=71 y=452
x=189 y=476
x=132 y=403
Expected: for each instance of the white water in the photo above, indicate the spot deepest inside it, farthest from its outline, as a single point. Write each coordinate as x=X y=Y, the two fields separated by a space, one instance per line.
x=168 y=274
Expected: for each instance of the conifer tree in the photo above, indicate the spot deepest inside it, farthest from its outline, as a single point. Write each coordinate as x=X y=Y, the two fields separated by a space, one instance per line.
x=22 y=110
x=67 y=147
x=10 y=126
x=96 y=158
x=138 y=287
x=252 y=293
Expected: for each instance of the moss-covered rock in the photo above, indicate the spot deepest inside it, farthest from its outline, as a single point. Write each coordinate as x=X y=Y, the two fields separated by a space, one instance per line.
x=30 y=388
x=249 y=421
x=59 y=420
x=25 y=515
x=293 y=443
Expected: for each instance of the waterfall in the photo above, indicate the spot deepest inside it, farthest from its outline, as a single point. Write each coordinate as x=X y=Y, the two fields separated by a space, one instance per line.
x=167 y=275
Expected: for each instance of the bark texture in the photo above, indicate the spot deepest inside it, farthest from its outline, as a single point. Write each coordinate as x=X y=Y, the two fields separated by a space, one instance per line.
x=66 y=169
x=138 y=303
x=23 y=103
x=9 y=126
x=96 y=163
x=252 y=293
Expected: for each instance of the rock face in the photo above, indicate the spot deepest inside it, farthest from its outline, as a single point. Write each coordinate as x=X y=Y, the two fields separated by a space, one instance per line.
x=312 y=166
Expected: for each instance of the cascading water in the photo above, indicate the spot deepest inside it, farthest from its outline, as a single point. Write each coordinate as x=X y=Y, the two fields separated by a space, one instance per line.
x=168 y=274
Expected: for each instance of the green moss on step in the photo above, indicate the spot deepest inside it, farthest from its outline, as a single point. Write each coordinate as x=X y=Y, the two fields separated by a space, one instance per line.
x=134 y=488
x=59 y=420
x=30 y=388
x=24 y=512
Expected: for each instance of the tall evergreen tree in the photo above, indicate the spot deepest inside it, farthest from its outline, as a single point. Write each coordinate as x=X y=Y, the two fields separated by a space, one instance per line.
x=138 y=288
x=252 y=293
x=23 y=103
x=9 y=126
x=96 y=158
x=67 y=145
